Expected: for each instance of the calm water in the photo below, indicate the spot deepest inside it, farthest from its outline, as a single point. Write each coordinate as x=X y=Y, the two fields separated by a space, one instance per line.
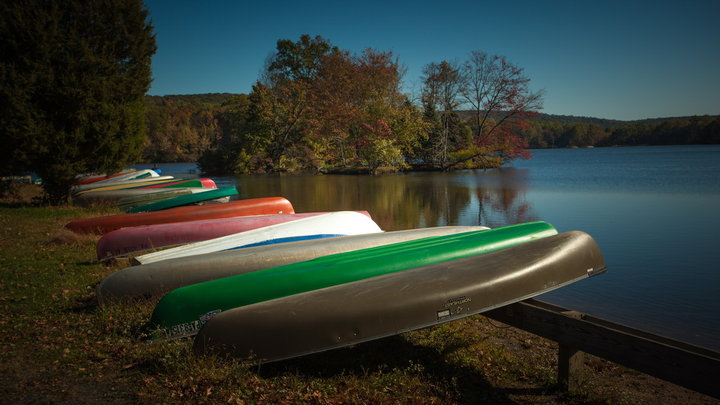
x=655 y=211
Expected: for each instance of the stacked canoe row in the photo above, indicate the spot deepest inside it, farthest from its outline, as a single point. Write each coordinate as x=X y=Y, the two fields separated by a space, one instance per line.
x=146 y=190
x=256 y=279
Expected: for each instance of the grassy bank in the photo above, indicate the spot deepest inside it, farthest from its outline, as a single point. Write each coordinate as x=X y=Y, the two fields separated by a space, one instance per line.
x=60 y=347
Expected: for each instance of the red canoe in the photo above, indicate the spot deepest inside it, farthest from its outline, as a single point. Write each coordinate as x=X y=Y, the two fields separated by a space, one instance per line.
x=253 y=206
x=207 y=183
x=139 y=238
x=94 y=178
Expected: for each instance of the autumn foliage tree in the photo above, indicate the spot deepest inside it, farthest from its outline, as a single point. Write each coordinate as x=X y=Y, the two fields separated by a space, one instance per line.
x=498 y=96
x=358 y=106
x=318 y=107
x=441 y=99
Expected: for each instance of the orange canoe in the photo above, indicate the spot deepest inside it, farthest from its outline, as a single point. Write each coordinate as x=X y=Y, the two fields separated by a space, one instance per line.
x=253 y=206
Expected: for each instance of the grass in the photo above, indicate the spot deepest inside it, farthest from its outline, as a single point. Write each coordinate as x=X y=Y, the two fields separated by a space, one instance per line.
x=61 y=347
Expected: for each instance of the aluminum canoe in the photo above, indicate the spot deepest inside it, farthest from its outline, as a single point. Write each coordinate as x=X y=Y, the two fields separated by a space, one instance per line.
x=253 y=206
x=387 y=305
x=334 y=223
x=182 y=311
x=155 y=279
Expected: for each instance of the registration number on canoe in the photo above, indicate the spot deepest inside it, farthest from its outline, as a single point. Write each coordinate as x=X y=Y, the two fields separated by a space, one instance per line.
x=189 y=328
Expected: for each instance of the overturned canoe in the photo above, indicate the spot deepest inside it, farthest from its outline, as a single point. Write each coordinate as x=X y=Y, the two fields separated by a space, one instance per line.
x=201 y=182
x=142 y=196
x=86 y=188
x=155 y=182
x=122 y=242
x=189 y=199
x=253 y=206
x=93 y=178
x=329 y=224
x=155 y=279
x=115 y=196
x=182 y=311
x=387 y=305
x=127 y=174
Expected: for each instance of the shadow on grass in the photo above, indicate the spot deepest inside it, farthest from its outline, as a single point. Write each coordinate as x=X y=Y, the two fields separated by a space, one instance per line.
x=395 y=352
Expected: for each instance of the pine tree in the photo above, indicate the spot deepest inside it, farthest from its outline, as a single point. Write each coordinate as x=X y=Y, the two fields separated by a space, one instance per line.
x=73 y=74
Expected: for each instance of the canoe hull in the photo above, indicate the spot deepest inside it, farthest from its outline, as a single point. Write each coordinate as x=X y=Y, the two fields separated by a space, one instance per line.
x=334 y=223
x=253 y=206
x=100 y=181
x=202 y=182
x=93 y=178
x=155 y=279
x=186 y=200
x=116 y=196
x=147 y=196
x=315 y=321
x=182 y=309
x=125 y=241
x=155 y=182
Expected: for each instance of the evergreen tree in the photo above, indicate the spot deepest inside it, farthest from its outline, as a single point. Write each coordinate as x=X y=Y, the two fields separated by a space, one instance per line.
x=73 y=74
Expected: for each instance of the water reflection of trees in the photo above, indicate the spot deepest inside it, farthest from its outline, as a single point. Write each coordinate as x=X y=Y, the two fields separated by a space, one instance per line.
x=403 y=201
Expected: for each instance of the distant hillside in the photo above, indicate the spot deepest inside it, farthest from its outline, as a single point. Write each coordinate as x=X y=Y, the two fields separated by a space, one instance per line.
x=219 y=98
x=182 y=127
x=189 y=99
x=603 y=122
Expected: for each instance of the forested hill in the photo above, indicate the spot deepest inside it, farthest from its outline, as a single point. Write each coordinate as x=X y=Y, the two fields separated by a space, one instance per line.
x=603 y=122
x=211 y=99
x=181 y=127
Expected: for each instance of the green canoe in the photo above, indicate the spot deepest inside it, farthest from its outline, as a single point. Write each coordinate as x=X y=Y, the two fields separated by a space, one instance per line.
x=185 y=200
x=126 y=203
x=183 y=311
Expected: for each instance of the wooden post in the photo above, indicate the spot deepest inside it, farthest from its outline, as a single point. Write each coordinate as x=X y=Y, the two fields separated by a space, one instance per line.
x=570 y=363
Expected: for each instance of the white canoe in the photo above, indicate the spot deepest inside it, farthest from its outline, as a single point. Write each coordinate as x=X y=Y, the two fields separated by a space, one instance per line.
x=137 y=176
x=331 y=224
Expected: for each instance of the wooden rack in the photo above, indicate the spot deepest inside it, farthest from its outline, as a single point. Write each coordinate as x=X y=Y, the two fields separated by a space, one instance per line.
x=677 y=362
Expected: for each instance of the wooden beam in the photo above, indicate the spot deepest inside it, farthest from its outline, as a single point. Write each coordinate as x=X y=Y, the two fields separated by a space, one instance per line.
x=677 y=362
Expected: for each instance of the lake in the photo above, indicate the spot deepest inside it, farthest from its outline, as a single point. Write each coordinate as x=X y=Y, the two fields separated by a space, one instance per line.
x=654 y=211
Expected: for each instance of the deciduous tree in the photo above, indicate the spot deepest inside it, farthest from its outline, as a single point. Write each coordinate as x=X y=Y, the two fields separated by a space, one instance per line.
x=441 y=98
x=500 y=98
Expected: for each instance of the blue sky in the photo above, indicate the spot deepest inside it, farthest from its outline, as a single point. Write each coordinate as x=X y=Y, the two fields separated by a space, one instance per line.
x=608 y=59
